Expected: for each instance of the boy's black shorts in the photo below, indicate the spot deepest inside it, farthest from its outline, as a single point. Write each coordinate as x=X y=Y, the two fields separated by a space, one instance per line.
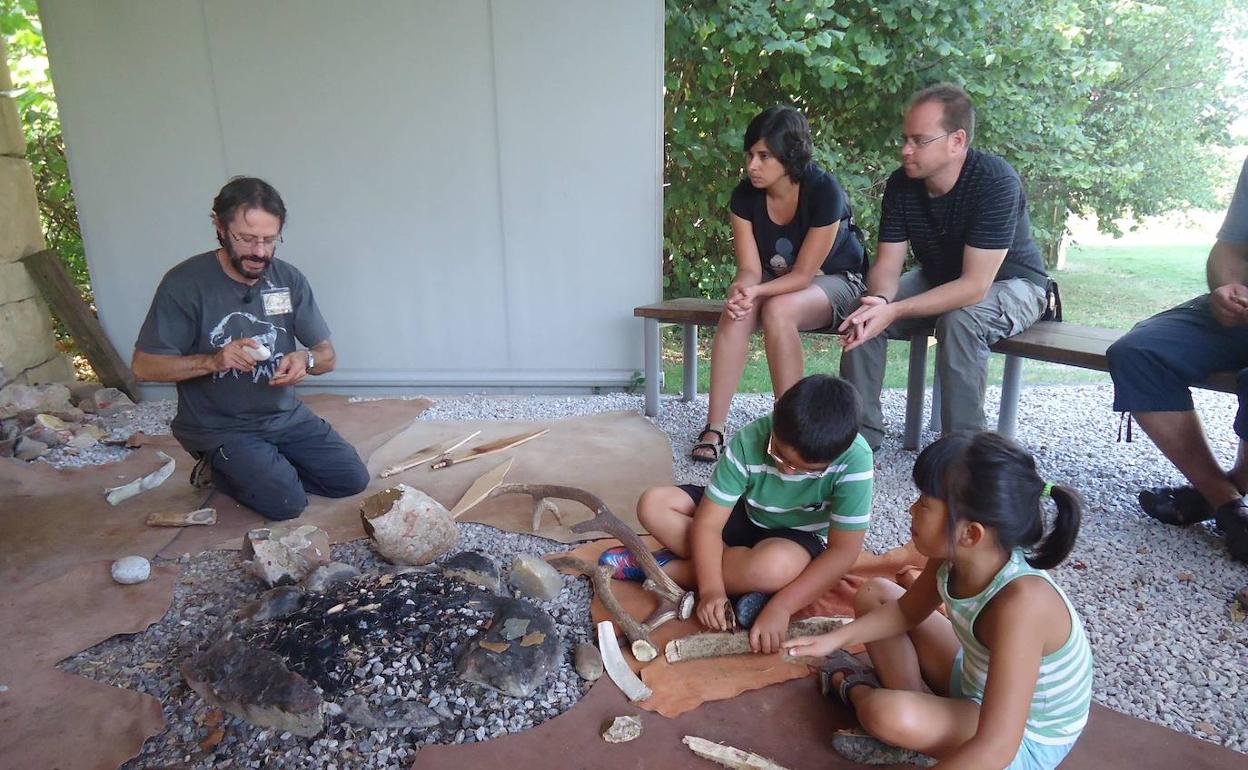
x=740 y=531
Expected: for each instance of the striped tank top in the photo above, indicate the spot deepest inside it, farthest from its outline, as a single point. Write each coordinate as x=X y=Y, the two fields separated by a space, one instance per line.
x=1059 y=707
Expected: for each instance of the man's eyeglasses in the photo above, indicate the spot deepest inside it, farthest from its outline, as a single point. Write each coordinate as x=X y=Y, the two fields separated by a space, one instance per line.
x=788 y=467
x=918 y=141
x=254 y=240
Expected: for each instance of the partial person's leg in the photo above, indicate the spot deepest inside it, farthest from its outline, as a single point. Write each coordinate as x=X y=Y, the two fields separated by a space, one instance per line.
x=910 y=661
x=766 y=567
x=863 y=367
x=728 y=352
x=823 y=304
x=327 y=465
x=254 y=473
x=1152 y=367
x=783 y=316
x=964 y=336
x=667 y=513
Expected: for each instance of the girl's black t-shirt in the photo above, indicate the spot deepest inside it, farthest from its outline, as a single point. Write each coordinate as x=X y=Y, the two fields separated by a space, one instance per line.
x=821 y=201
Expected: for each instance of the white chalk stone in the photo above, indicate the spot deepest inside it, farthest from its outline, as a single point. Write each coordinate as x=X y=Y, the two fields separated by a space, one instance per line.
x=129 y=570
x=259 y=352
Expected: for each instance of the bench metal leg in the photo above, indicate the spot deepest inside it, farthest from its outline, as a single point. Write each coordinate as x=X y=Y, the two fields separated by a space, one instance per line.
x=937 y=425
x=651 y=335
x=1011 y=383
x=916 y=383
x=691 y=362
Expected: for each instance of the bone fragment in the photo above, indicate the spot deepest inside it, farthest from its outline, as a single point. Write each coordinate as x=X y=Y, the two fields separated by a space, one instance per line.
x=716 y=645
x=116 y=495
x=617 y=668
x=728 y=756
x=204 y=516
x=622 y=729
x=482 y=487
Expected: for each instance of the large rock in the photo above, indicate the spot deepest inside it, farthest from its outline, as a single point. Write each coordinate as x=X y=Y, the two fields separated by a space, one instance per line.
x=475 y=568
x=106 y=402
x=18 y=399
x=284 y=554
x=255 y=685
x=588 y=661
x=20 y=231
x=534 y=577
x=29 y=449
x=407 y=526
x=517 y=654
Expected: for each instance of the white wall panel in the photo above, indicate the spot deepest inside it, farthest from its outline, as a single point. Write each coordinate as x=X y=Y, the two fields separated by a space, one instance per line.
x=473 y=187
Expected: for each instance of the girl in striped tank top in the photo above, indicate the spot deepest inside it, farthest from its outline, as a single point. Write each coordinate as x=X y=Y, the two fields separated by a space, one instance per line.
x=1005 y=681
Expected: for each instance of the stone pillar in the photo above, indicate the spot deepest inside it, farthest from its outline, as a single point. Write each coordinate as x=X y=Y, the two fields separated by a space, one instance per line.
x=28 y=351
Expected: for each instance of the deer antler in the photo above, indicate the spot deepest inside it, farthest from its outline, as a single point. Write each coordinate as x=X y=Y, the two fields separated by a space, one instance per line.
x=674 y=601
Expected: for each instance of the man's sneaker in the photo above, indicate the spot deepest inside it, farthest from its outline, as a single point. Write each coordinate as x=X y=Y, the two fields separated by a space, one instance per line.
x=748 y=606
x=1179 y=506
x=1232 y=519
x=625 y=564
x=201 y=473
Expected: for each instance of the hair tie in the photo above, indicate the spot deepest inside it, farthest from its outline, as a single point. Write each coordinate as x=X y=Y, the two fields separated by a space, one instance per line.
x=1047 y=491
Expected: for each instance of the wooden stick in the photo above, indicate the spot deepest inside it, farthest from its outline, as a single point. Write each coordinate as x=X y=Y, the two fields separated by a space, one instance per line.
x=428 y=453
x=482 y=487
x=494 y=447
x=728 y=756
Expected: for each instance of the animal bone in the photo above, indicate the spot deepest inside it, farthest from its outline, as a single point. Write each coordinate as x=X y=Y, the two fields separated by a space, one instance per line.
x=617 y=668
x=544 y=505
x=637 y=633
x=115 y=495
x=674 y=601
x=204 y=516
x=728 y=756
x=715 y=645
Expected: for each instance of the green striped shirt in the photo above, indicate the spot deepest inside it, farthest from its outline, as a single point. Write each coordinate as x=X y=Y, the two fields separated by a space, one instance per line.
x=1059 y=707
x=840 y=497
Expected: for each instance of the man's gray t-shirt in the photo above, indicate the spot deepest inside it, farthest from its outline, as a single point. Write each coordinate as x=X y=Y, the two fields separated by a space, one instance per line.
x=1235 y=227
x=199 y=309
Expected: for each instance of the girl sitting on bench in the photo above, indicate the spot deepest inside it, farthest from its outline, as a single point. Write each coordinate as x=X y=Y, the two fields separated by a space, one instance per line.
x=800 y=263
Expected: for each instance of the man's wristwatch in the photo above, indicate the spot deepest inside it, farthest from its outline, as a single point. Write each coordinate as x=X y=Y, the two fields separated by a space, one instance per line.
x=311 y=361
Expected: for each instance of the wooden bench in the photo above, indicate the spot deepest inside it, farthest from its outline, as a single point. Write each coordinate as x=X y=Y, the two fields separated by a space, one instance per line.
x=1056 y=342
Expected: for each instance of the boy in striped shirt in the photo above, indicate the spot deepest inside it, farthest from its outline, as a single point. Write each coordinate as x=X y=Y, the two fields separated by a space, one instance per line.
x=785 y=512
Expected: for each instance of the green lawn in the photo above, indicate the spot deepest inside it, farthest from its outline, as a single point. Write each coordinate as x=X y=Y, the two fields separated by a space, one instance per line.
x=1107 y=286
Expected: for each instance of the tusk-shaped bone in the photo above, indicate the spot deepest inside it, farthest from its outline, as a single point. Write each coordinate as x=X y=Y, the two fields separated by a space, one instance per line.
x=617 y=668
x=115 y=495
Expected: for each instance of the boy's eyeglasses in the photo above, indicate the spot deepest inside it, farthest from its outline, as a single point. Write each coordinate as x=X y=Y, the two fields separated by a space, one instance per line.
x=788 y=467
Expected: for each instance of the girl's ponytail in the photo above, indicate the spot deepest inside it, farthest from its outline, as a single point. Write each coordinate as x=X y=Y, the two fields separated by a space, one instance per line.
x=1057 y=546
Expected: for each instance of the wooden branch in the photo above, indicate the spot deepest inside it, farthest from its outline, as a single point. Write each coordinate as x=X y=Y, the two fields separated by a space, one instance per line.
x=728 y=756
x=49 y=275
x=717 y=645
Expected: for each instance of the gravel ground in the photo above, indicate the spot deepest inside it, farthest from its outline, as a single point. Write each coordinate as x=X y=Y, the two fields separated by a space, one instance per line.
x=1155 y=600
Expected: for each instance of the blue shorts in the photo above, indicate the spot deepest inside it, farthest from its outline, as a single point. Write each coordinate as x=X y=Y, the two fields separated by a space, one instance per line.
x=1032 y=755
x=1154 y=364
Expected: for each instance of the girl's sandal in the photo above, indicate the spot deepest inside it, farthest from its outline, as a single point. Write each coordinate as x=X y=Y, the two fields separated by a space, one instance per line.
x=708 y=451
x=853 y=673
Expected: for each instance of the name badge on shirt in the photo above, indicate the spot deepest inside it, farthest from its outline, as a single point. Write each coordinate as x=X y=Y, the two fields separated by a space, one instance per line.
x=277 y=301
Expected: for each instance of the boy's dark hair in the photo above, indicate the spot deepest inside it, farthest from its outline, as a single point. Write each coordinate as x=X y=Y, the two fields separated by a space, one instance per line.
x=247 y=192
x=959 y=113
x=987 y=478
x=818 y=417
x=787 y=135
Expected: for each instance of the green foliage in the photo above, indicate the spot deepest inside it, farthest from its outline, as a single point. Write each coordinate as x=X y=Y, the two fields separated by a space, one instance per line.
x=1105 y=106
x=45 y=147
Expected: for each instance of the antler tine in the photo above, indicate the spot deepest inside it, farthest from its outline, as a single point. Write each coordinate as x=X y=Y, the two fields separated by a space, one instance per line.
x=638 y=634
x=603 y=521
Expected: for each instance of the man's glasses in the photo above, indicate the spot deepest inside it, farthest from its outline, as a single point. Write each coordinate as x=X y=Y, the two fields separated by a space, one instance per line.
x=918 y=141
x=252 y=241
x=788 y=467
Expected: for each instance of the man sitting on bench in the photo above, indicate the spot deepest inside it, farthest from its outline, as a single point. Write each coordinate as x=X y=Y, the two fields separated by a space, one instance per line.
x=1154 y=364
x=980 y=276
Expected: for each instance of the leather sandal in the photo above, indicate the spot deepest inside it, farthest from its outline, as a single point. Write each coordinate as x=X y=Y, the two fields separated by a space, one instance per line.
x=1178 y=506
x=853 y=673
x=716 y=447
